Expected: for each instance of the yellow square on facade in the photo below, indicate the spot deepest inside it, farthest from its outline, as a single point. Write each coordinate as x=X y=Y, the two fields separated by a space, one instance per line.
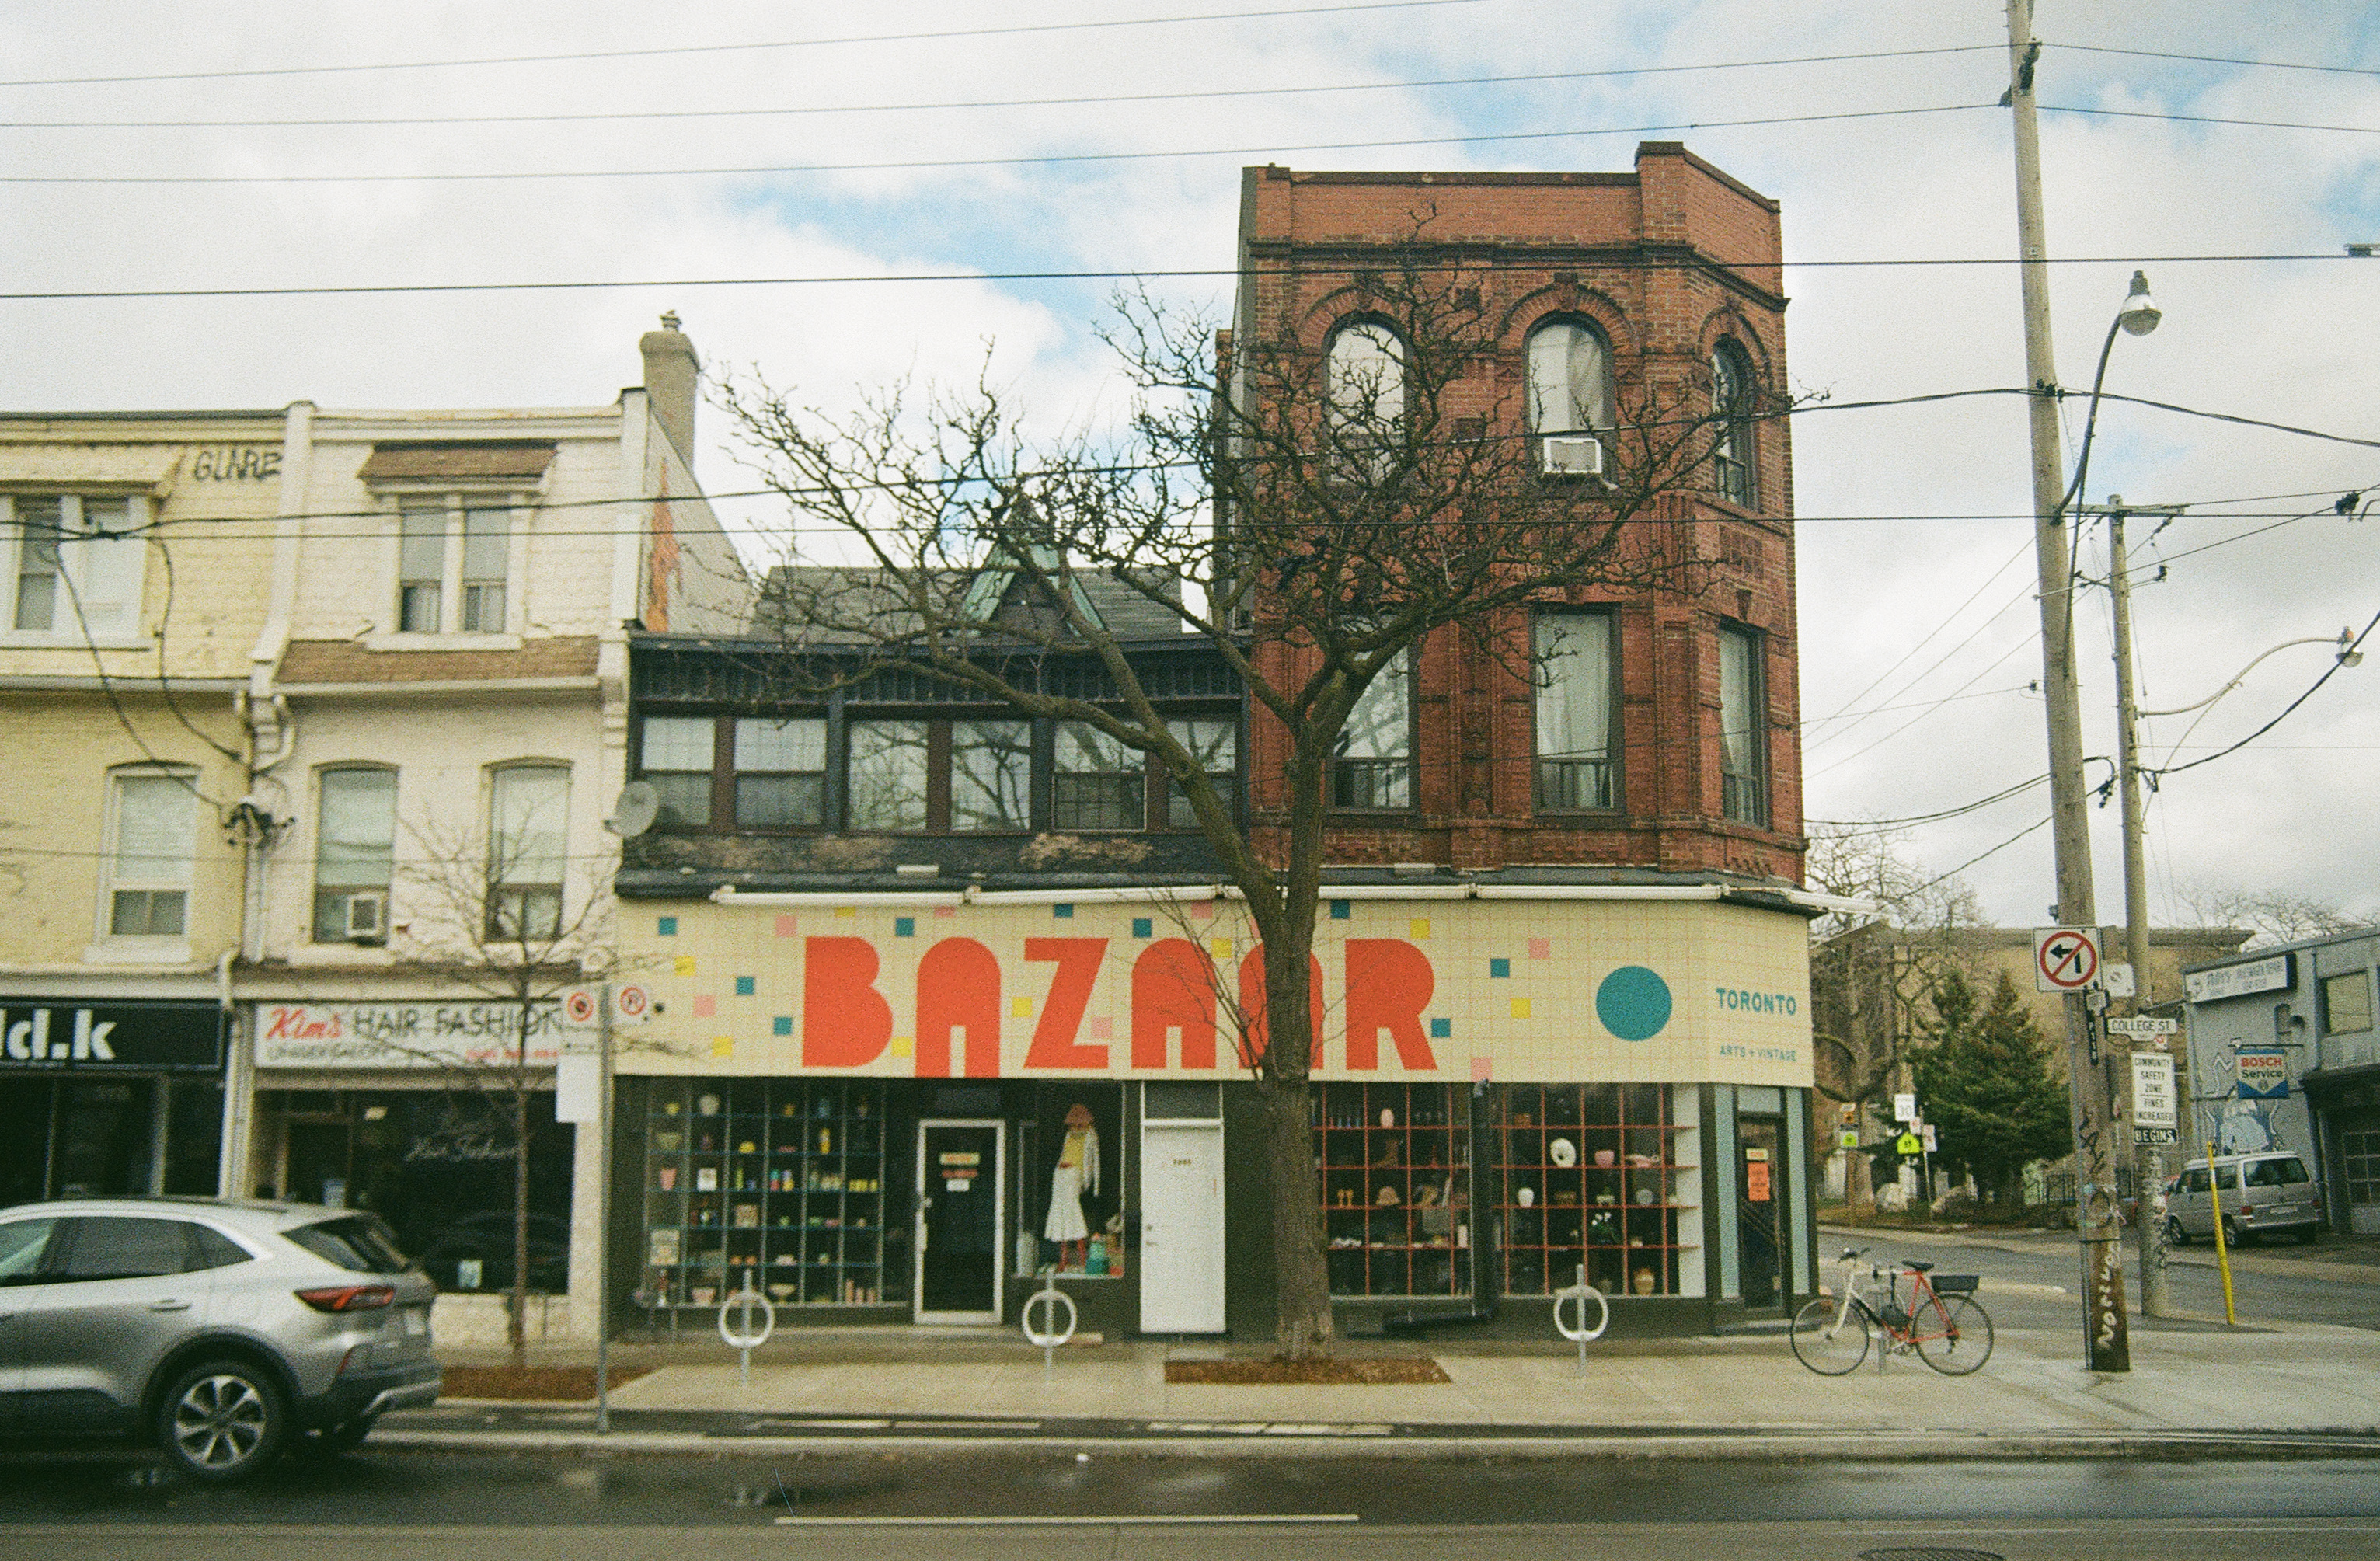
x=722 y=1046
x=685 y=964
x=845 y=911
x=1020 y=1008
x=1420 y=925
x=1520 y=1008
x=1222 y=946
x=901 y=1045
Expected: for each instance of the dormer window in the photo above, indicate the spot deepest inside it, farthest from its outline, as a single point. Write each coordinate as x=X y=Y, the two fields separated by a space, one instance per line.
x=456 y=504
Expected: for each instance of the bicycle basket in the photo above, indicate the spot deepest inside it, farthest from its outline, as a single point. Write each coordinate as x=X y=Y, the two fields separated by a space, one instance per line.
x=1955 y=1283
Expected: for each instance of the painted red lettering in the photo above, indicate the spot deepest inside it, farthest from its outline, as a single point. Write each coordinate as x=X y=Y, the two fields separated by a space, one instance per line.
x=1389 y=983
x=1255 y=1036
x=958 y=988
x=845 y=1021
x=1173 y=988
x=1070 y=993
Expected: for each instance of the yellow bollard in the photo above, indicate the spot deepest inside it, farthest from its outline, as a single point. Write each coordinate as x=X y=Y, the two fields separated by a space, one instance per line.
x=2222 y=1249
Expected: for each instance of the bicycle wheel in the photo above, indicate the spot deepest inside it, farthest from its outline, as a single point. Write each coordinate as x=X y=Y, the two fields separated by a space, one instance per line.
x=1829 y=1336
x=1954 y=1335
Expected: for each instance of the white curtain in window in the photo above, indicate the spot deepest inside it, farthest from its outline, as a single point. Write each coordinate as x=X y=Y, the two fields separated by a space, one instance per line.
x=797 y=744
x=678 y=742
x=156 y=823
x=1738 y=691
x=358 y=847
x=1573 y=686
x=1569 y=379
x=528 y=827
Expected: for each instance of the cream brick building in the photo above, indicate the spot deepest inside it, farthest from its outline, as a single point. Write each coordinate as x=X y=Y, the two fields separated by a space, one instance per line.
x=348 y=670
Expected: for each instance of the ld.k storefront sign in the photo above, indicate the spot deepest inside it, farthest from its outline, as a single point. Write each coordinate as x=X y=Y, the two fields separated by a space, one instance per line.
x=1502 y=991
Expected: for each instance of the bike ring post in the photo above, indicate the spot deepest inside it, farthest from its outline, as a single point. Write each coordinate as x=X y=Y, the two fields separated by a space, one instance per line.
x=745 y=1338
x=1049 y=1297
x=1581 y=1334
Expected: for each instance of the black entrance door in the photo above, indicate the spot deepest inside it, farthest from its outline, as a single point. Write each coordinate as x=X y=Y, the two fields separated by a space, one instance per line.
x=1759 y=1212
x=959 y=1185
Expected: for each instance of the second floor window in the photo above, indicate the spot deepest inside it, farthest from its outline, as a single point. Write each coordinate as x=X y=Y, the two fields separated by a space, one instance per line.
x=780 y=772
x=527 y=831
x=1570 y=379
x=1364 y=387
x=1743 y=783
x=355 y=853
x=1372 y=762
x=1214 y=742
x=887 y=775
x=1099 y=783
x=1573 y=679
x=992 y=775
x=676 y=756
x=149 y=869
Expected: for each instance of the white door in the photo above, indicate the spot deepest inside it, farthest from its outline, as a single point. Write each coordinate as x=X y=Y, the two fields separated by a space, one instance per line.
x=1182 y=1228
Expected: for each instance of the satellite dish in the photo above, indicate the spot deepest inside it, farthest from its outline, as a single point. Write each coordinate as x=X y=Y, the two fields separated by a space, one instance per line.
x=639 y=805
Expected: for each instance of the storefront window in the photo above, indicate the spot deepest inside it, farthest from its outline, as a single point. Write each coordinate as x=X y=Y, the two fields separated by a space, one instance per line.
x=1396 y=1188
x=438 y=1164
x=1069 y=1196
x=1591 y=1174
x=784 y=1181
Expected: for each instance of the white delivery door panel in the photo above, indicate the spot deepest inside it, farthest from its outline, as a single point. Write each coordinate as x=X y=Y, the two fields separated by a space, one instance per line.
x=1181 y=1228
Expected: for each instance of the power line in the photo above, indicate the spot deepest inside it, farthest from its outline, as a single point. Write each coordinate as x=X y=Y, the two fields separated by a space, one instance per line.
x=2215 y=59
x=911 y=165
x=624 y=116
x=940 y=35
x=2208 y=119
x=1172 y=274
x=2154 y=776
x=1867 y=826
x=1941 y=625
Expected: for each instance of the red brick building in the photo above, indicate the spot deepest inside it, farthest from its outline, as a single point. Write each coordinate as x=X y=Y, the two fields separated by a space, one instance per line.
x=1672 y=273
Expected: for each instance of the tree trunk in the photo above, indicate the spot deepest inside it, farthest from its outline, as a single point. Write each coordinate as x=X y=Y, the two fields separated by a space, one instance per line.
x=1302 y=1273
x=517 y=1325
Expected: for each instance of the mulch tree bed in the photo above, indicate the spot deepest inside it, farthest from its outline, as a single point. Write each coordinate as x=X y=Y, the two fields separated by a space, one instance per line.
x=1387 y=1371
x=552 y=1384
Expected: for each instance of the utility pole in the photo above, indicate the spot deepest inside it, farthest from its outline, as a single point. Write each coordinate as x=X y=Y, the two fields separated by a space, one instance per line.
x=2107 y=1340
x=2148 y=1160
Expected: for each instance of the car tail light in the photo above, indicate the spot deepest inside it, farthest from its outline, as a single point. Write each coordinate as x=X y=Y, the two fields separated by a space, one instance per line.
x=349 y=1297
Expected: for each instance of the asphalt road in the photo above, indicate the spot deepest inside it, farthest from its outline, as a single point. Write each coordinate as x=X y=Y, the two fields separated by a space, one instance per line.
x=472 y=1507
x=2031 y=1281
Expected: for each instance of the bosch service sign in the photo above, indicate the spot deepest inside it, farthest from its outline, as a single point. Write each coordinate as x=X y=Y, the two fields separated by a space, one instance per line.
x=125 y=1034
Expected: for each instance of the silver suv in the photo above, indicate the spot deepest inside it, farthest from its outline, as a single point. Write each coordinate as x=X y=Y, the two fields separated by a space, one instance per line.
x=218 y=1330
x=2261 y=1194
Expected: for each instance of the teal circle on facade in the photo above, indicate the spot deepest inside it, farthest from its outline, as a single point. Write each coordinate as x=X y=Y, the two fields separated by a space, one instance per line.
x=1634 y=1003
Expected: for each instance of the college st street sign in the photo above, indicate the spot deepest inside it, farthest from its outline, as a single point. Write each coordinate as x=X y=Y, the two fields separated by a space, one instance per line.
x=127 y=1034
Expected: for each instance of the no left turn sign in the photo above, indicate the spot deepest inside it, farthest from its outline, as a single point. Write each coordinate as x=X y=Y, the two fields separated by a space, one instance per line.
x=2065 y=958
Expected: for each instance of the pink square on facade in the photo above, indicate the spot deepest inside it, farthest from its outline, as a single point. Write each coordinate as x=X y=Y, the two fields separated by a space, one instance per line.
x=1202 y=909
x=1480 y=1070
x=1103 y=1029
x=706 y=1007
x=943 y=912
x=1541 y=948
x=785 y=926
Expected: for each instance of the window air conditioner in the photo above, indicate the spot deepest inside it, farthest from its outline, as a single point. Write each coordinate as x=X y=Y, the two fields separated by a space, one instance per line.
x=367 y=916
x=1571 y=454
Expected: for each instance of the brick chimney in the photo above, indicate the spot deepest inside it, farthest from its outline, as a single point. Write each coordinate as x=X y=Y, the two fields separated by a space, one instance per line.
x=672 y=375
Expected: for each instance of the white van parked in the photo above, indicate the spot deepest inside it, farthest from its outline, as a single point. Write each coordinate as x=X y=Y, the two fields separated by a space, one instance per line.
x=2261 y=1194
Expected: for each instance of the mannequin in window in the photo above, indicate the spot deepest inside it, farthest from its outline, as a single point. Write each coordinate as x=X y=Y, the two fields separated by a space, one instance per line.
x=1077 y=1173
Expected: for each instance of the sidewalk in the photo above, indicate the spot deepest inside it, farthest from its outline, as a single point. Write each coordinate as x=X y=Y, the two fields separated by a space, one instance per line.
x=2346 y=1260
x=2308 y=1388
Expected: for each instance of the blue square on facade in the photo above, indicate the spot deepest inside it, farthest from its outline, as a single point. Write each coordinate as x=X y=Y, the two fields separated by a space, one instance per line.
x=783 y=1024
x=1143 y=926
x=1498 y=969
x=1342 y=909
x=1441 y=1029
x=669 y=926
x=744 y=985
x=904 y=926
x=1061 y=912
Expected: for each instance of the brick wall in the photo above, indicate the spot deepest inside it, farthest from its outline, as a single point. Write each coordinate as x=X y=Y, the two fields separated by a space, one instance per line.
x=1668 y=259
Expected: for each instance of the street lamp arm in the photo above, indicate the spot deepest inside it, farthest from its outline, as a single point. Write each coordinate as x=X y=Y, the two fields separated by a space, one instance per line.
x=2242 y=677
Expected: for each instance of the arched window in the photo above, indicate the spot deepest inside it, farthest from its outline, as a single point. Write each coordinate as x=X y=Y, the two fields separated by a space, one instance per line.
x=1570 y=379
x=1733 y=457
x=1364 y=382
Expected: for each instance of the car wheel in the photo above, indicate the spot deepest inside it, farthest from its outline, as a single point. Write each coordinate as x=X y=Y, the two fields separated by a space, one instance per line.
x=222 y=1419
x=2233 y=1236
x=330 y=1441
x=2175 y=1236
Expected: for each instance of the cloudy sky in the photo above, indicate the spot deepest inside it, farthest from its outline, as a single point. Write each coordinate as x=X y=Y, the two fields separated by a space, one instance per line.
x=2231 y=148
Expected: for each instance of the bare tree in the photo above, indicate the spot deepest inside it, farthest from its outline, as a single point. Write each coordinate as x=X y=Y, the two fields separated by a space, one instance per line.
x=497 y=915
x=1874 y=975
x=2273 y=916
x=1313 y=515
